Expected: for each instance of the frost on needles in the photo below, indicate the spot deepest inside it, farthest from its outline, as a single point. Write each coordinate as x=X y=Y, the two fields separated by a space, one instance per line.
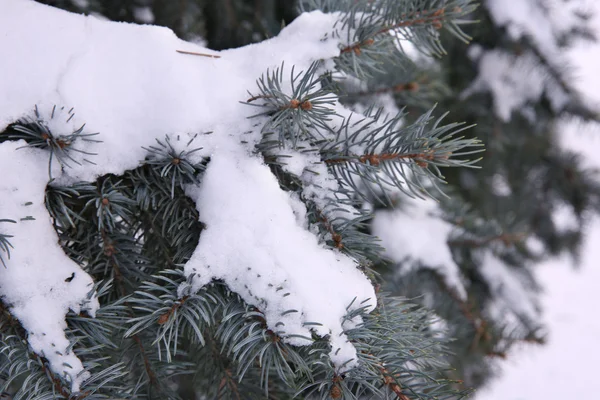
x=157 y=205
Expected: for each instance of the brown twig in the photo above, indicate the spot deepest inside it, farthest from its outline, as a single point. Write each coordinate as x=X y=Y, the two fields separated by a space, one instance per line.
x=229 y=381
x=58 y=383
x=418 y=17
x=336 y=237
x=435 y=17
x=165 y=317
x=356 y=48
x=193 y=53
x=506 y=238
x=147 y=364
x=402 y=87
x=390 y=381
x=422 y=159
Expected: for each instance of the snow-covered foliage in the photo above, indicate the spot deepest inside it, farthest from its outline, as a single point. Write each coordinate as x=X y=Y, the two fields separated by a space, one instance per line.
x=108 y=92
x=130 y=85
x=517 y=79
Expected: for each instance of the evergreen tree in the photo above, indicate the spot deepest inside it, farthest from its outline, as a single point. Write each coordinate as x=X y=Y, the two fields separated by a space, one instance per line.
x=530 y=199
x=148 y=235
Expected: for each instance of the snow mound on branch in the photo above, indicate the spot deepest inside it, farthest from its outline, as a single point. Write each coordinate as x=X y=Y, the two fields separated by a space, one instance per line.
x=515 y=302
x=128 y=83
x=513 y=81
x=414 y=234
x=40 y=284
x=268 y=258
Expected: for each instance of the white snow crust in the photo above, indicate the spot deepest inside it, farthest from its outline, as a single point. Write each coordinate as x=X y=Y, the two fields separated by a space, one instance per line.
x=128 y=83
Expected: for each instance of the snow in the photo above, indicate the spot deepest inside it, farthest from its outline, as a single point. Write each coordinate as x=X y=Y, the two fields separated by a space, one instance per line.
x=514 y=300
x=268 y=258
x=541 y=21
x=37 y=285
x=128 y=83
x=410 y=232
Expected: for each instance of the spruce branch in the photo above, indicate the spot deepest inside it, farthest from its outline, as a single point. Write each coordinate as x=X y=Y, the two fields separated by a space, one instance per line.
x=373 y=29
x=37 y=133
x=31 y=376
x=173 y=164
x=138 y=228
x=298 y=113
x=5 y=244
x=255 y=344
x=372 y=157
x=394 y=355
x=169 y=315
x=111 y=204
x=345 y=230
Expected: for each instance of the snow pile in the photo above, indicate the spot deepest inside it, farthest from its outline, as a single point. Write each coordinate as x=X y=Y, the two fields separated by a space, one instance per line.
x=410 y=233
x=128 y=83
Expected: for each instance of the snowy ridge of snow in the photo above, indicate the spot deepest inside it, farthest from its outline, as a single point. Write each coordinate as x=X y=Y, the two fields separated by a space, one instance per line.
x=128 y=83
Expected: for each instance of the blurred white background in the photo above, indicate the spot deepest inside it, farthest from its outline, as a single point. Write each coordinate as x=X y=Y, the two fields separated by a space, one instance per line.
x=567 y=367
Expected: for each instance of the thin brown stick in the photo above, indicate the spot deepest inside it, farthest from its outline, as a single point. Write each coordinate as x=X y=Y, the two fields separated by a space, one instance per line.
x=375 y=159
x=193 y=53
x=165 y=317
x=147 y=364
x=336 y=237
x=391 y=382
x=402 y=87
x=230 y=382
